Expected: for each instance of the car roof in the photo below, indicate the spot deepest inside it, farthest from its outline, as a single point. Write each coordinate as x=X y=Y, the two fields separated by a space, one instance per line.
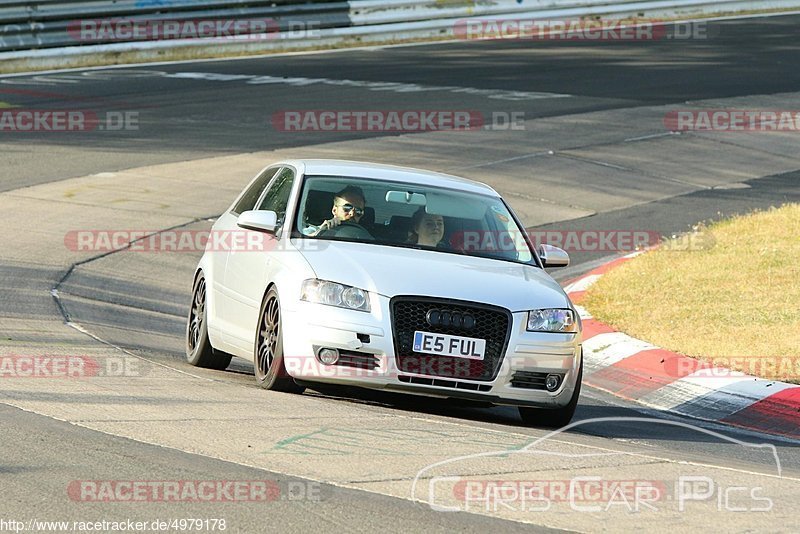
x=377 y=171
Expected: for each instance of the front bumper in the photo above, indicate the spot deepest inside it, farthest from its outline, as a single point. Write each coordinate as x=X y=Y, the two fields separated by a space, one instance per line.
x=368 y=338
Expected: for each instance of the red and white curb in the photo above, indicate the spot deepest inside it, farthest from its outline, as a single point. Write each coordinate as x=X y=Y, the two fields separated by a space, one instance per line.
x=661 y=379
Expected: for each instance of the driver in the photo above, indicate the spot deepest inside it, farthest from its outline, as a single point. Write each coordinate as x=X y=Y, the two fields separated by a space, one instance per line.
x=348 y=205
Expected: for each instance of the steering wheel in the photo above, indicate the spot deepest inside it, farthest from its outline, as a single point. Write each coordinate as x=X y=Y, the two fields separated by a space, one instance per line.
x=349 y=230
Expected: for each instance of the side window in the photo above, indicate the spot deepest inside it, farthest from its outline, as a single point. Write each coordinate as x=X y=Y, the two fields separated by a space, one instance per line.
x=277 y=197
x=250 y=197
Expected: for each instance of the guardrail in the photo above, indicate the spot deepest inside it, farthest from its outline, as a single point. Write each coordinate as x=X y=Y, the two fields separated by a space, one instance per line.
x=49 y=28
x=26 y=24
x=395 y=11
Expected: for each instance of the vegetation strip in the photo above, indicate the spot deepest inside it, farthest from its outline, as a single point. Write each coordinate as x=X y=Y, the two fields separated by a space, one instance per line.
x=699 y=387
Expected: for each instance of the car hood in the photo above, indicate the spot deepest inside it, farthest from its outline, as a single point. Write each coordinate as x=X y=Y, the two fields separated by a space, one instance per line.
x=392 y=271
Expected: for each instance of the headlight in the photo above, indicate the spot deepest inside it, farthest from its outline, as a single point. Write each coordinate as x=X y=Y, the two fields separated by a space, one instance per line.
x=333 y=294
x=552 y=320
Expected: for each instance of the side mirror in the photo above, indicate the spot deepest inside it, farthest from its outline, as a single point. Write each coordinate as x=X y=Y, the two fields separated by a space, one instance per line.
x=553 y=256
x=261 y=220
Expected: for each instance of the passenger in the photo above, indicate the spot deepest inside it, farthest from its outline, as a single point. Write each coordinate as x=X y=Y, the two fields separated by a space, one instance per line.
x=348 y=206
x=427 y=229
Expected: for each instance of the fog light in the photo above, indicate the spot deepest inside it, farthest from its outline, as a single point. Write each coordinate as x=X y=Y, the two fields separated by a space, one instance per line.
x=551 y=382
x=328 y=356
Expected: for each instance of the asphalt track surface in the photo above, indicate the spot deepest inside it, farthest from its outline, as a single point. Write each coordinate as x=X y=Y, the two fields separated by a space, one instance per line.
x=185 y=118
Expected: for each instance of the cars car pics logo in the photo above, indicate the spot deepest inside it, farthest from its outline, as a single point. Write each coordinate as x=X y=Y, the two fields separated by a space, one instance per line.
x=470 y=483
x=593 y=493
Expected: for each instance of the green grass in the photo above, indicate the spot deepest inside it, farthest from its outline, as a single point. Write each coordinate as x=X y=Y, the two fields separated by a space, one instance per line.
x=729 y=293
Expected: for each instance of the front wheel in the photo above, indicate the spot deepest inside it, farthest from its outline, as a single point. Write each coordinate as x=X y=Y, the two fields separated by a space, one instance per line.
x=270 y=369
x=553 y=418
x=199 y=351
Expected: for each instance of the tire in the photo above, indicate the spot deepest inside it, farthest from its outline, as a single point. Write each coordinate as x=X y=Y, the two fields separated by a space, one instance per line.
x=268 y=351
x=553 y=418
x=199 y=351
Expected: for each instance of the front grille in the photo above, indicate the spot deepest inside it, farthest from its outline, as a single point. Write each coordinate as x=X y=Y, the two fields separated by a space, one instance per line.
x=359 y=360
x=444 y=383
x=493 y=324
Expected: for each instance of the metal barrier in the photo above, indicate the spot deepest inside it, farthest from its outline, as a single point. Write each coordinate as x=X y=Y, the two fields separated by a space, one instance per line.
x=372 y=12
x=48 y=28
x=394 y=11
x=27 y=24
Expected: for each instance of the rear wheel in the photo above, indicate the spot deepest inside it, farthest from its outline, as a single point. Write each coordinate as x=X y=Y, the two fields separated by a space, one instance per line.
x=553 y=418
x=199 y=351
x=270 y=369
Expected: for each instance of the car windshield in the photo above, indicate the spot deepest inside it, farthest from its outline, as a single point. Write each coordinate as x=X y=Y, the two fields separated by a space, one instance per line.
x=409 y=215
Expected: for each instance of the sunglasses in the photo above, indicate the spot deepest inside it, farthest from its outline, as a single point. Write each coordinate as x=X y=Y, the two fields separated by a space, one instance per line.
x=349 y=207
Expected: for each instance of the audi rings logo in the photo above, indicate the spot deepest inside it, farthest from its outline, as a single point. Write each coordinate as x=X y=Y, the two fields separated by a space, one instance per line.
x=447 y=319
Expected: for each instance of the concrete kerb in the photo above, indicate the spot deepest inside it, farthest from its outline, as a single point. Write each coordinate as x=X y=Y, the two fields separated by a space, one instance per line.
x=638 y=371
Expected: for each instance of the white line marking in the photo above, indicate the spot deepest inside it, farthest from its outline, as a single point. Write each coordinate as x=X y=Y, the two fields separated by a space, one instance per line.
x=395 y=87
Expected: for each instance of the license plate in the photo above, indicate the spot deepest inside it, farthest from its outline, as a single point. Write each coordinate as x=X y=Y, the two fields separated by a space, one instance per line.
x=445 y=345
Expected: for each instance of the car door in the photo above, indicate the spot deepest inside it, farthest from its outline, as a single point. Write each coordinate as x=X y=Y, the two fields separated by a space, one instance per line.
x=220 y=247
x=248 y=271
